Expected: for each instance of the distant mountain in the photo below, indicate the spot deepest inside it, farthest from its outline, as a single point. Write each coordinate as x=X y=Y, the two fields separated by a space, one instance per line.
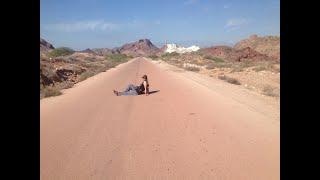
x=105 y=51
x=45 y=46
x=88 y=50
x=268 y=45
x=169 y=48
x=141 y=47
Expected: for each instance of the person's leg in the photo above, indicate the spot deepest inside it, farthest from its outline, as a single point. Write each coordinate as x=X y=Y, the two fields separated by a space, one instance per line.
x=128 y=93
x=130 y=87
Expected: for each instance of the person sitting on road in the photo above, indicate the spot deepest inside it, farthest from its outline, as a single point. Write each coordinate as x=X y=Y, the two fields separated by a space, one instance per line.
x=133 y=90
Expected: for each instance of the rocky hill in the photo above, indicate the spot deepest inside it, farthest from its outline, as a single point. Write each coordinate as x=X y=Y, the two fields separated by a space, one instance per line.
x=232 y=54
x=88 y=50
x=142 y=47
x=268 y=45
x=45 y=46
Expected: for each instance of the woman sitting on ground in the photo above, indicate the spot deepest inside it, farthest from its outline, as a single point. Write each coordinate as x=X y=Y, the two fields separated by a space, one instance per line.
x=133 y=90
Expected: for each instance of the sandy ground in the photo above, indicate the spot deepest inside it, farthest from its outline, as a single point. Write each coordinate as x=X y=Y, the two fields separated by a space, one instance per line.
x=268 y=106
x=193 y=128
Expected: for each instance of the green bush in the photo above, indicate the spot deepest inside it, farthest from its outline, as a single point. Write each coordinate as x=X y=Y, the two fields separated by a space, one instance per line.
x=62 y=51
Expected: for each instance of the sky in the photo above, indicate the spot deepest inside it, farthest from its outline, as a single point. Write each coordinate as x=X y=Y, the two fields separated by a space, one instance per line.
x=81 y=24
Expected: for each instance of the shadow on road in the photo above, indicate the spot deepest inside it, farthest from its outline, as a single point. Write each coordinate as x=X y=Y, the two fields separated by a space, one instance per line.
x=151 y=92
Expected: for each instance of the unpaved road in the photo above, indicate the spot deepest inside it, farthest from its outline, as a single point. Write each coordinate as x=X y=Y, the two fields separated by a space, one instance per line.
x=184 y=131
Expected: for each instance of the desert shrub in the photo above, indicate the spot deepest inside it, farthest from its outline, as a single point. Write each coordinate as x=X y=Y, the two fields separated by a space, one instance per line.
x=90 y=65
x=210 y=66
x=118 y=57
x=269 y=91
x=111 y=64
x=86 y=75
x=223 y=65
x=49 y=72
x=246 y=64
x=62 y=51
x=215 y=59
x=170 y=55
x=276 y=67
x=68 y=59
x=153 y=57
x=105 y=66
x=237 y=69
x=240 y=66
x=273 y=66
x=266 y=66
x=72 y=59
x=190 y=68
x=260 y=68
x=49 y=91
x=199 y=53
x=198 y=62
x=175 y=62
x=90 y=59
x=229 y=80
x=65 y=85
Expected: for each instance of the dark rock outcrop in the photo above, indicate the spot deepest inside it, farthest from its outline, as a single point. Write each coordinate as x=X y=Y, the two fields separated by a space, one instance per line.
x=232 y=54
x=268 y=45
x=45 y=46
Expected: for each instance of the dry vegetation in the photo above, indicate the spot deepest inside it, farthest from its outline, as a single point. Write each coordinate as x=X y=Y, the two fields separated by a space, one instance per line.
x=270 y=91
x=63 y=70
x=190 y=68
x=229 y=79
x=262 y=76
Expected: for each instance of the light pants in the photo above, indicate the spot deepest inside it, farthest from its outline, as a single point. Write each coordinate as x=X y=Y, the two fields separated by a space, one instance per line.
x=129 y=91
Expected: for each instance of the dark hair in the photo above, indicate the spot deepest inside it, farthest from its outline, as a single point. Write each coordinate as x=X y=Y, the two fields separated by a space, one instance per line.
x=145 y=77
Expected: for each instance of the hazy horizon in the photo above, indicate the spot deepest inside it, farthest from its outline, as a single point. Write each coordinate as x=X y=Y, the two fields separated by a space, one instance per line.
x=85 y=24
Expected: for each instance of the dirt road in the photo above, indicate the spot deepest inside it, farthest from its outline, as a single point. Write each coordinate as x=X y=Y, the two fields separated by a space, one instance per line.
x=184 y=131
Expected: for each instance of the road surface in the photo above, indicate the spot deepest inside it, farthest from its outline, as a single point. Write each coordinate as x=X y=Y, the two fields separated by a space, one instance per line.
x=183 y=131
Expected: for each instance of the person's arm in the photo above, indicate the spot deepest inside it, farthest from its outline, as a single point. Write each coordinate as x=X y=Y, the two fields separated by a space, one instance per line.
x=146 y=88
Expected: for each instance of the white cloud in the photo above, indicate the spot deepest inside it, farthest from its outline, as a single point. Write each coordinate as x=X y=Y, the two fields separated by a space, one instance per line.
x=82 y=26
x=226 y=6
x=233 y=28
x=188 y=2
x=236 y=22
x=157 y=22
